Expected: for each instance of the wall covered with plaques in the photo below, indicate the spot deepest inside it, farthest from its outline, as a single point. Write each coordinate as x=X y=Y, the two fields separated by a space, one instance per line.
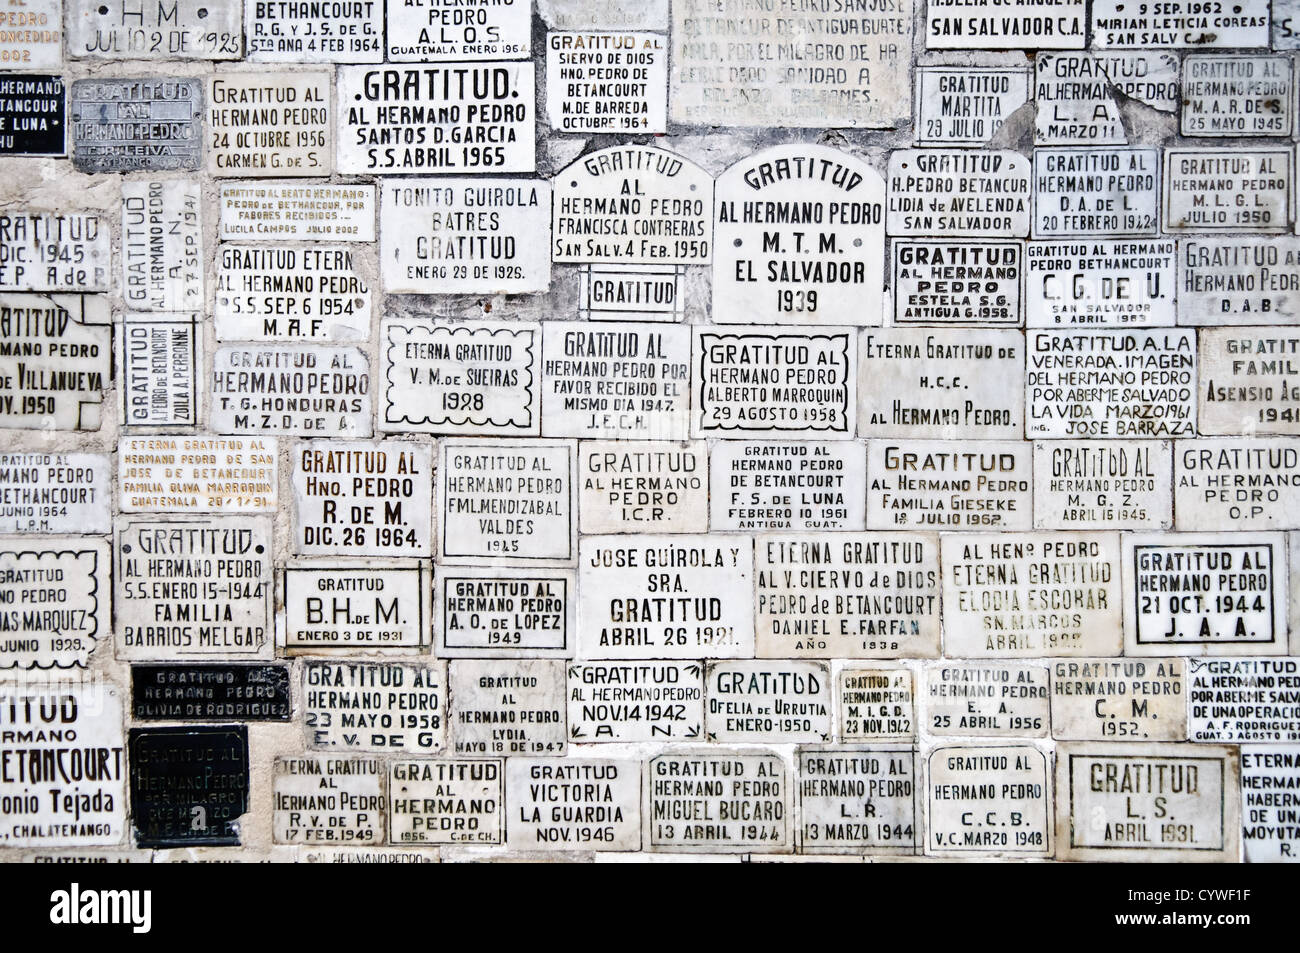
x=628 y=430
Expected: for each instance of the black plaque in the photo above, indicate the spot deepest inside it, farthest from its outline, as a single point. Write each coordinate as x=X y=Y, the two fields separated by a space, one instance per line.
x=189 y=786
x=33 y=109
x=222 y=692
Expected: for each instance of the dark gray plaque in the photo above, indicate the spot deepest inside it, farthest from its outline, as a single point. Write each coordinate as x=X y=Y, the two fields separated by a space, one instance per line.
x=134 y=125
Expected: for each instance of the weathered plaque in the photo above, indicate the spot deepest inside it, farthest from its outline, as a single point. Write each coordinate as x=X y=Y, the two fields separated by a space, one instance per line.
x=1235 y=95
x=1016 y=25
x=1073 y=103
x=189 y=786
x=1241 y=700
x=840 y=595
x=801 y=485
x=137 y=125
x=990 y=800
x=159 y=358
x=1109 y=699
x=33 y=109
x=966 y=105
x=470 y=117
x=56 y=358
x=162 y=245
x=475 y=378
x=314 y=32
x=737 y=64
x=1205 y=594
x=187 y=30
x=769 y=701
x=1228 y=190
x=607 y=82
x=800 y=239
x=1268 y=802
x=446 y=802
x=636 y=701
x=1107 y=383
x=1103 y=484
x=1080 y=192
x=355 y=606
x=957 y=283
x=515 y=501
x=1237 y=484
x=54 y=251
x=636 y=486
x=1104 y=282
x=615 y=381
x=269 y=124
x=876 y=703
x=194 y=587
x=87 y=856
x=1149 y=76
x=277 y=292
x=679 y=597
x=210 y=692
x=762 y=380
x=464 y=236
x=956 y=193
x=432 y=31
x=1147 y=803
x=321 y=799
x=199 y=474
x=857 y=800
x=633 y=205
x=1246 y=381
x=986 y=699
x=507 y=706
x=36 y=40
x=941 y=384
x=362 y=499
x=300 y=390
x=64 y=777
x=1182 y=24
x=375 y=706
x=282 y=211
x=1245 y=280
x=949 y=485
x=51 y=493
x=573 y=804
x=503 y=613
x=1027 y=595
x=56 y=598
x=717 y=801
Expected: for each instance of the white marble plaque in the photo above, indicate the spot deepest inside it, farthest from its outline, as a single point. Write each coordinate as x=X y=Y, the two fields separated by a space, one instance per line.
x=289 y=211
x=801 y=239
x=636 y=701
x=941 y=384
x=876 y=703
x=1109 y=699
x=764 y=380
x=804 y=485
x=54 y=251
x=573 y=804
x=36 y=42
x=633 y=205
x=513 y=612
x=838 y=595
x=631 y=292
x=957 y=283
x=1073 y=103
x=638 y=486
x=674 y=597
x=1205 y=594
x=321 y=799
x=162 y=245
x=476 y=117
x=193 y=588
x=269 y=125
x=1104 y=282
x=198 y=474
x=1228 y=190
x=768 y=701
x=57 y=594
x=446 y=802
x=1136 y=384
x=278 y=293
x=355 y=606
x=989 y=699
x=464 y=236
x=1103 y=484
x=303 y=390
x=1019 y=24
x=990 y=800
x=1244 y=699
x=1269 y=800
x=1182 y=24
x=1243 y=280
x=375 y=706
x=1149 y=76
x=507 y=707
x=1247 y=381
x=1027 y=595
x=1099 y=192
x=1286 y=25
x=966 y=105
x=56 y=493
x=362 y=499
x=1235 y=95
x=717 y=800
x=958 y=193
x=56 y=361
x=434 y=31
x=615 y=381
x=1237 y=484
x=158 y=359
x=857 y=800
x=277 y=32
x=949 y=485
x=607 y=82
x=186 y=30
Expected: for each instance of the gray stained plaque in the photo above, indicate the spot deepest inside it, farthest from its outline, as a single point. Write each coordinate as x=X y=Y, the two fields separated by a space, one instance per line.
x=136 y=124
